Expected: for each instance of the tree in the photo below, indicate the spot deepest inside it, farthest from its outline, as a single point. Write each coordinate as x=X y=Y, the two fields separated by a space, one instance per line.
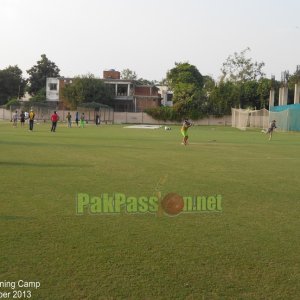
x=190 y=99
x=185 y=81
x=294 y=78
x=38 y=74
x=143 y=81
x=224 y=96
x=12 y=84
x=263 y=91
x=239 y=68
x=128 y=74
x=184 y=73
x=244 y=74
x=40 y=96
x=208 y=84
x=85 y=89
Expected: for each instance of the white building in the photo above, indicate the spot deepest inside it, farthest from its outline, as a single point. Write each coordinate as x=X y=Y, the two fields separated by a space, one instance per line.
x=166 y=95
x=52 y=89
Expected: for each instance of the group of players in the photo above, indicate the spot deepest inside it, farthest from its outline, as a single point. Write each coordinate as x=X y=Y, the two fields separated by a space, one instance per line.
x=55 y=118
x=31 y=116
x=80 y=121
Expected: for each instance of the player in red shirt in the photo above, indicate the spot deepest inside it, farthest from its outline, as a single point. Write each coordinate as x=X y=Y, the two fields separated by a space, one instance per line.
x=54 y=119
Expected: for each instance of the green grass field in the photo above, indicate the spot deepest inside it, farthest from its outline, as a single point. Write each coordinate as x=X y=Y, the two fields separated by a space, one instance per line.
x=250 y=250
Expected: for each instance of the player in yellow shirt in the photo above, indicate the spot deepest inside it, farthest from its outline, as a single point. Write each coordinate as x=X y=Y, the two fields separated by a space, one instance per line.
x=31 y=119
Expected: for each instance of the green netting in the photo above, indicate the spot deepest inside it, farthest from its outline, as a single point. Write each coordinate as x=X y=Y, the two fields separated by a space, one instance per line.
x=287 y=120
x=294 y=120
x=285 y=107
x=281 y=119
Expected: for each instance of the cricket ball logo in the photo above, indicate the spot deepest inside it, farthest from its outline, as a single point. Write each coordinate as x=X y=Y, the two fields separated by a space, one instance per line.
x=172 y=204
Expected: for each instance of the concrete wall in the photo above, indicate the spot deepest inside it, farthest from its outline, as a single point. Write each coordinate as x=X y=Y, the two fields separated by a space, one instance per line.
x=143 y=118
x=43 y=115
x=5 y=114
x=143 y=103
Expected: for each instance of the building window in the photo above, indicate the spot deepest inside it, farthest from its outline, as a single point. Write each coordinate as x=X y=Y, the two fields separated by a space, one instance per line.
x=169 y=97
x=53 y=86
x=122 y=90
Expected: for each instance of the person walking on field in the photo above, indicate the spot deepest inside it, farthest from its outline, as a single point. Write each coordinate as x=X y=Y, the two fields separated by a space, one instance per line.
x=77 y=118
x=31 y=119
x=271 y=129
x=15 y=119
x=97 y=119
x=82 y=120
x=69 y=118
x=54 y=120
x=22 y=118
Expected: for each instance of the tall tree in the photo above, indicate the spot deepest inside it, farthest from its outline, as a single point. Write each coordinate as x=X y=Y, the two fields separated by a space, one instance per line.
x=12 y=84
x=184 y=73
x=244 y=73
x=263 y=91
x=185 y=81
x=294 y=78
x=239 y=68
x=224 y=96
x=38 y=74
x=85 y=89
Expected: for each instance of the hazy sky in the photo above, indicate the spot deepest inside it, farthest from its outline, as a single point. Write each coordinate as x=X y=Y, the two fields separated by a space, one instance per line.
x=148 y=37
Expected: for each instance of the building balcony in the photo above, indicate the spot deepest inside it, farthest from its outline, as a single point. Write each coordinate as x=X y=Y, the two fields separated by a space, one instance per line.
x=124 y=98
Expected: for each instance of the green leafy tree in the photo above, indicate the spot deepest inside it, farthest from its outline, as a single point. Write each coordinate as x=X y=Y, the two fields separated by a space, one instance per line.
x=40 y=96
x=38 y=74
x=128 y=74
x=12 y=84
x=239 y=68
x=224 y=96
x=85 y=89
x=244 y=73
x=248 y=94
x=163 y=81
x=208 y=83
x=184 y=73
x=143 y=81
x=13 y=103
x=263 y=91
x=186 y=82
x=293 y=79
x=164 y=113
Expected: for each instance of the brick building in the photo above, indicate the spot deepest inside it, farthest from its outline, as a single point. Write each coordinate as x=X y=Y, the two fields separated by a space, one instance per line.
x=128 y=95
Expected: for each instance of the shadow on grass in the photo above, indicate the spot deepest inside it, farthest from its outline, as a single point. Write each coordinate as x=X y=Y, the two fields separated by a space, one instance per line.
x=14 y=218
x=40 y=165
x=66 y=145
